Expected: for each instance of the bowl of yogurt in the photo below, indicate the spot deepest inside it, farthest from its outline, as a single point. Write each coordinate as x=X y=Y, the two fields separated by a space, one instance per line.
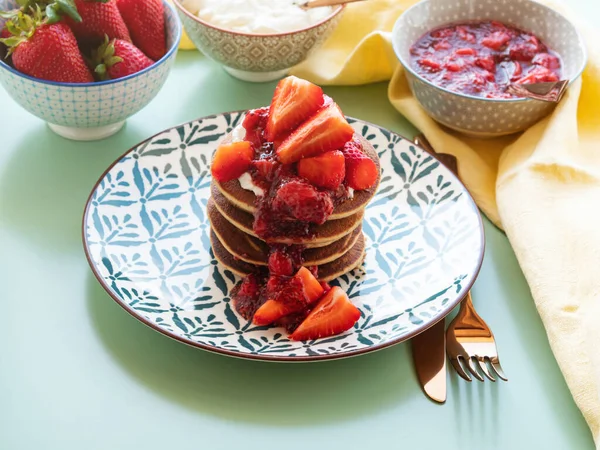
x=256 y=40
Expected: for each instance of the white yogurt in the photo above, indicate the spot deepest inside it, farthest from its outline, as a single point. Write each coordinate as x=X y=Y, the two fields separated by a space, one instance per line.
x=247 y=183
x=238 y=133
x=257 y=16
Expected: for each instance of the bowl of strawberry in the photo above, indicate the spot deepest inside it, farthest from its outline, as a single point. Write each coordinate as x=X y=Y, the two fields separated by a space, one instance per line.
x=85 y=66
x=462 y=63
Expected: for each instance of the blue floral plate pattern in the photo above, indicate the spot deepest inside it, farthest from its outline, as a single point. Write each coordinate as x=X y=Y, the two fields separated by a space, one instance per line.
x=146 y=237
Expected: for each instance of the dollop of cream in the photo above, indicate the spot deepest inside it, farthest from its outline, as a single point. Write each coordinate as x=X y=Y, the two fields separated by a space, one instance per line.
x=238 y=133
x=257 y=16
x=247 y=183
x=350 y=192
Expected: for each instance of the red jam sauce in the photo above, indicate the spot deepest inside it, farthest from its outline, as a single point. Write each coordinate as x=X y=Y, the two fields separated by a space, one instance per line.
x=291 y=206
x=481 y=59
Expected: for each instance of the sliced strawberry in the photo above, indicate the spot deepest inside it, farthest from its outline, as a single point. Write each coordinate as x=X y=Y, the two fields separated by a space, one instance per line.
x=539 y=74
x=270 y=311
x=326 y=130
x=333 y=315
x=312 y=288
x=361 y=171
x=497 y=40
x=294 y=101
x=232 y=160
x=287 y=295
x=430 y=63
x=486 y=62
x=325 y=171
x=442 y=45
x=454 y=66
x=465 y=51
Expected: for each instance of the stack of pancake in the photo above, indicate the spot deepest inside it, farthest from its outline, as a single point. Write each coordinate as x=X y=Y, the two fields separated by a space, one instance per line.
x=336 y=247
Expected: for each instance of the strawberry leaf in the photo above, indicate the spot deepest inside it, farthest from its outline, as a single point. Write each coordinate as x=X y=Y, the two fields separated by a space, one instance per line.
x=11 y=41
x=52 y=13
x=68 y=7
x=8 y=14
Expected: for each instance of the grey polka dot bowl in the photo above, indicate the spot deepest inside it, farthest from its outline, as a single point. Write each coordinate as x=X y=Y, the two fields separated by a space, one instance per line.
x=91 y=111
x=476 y=116
x=251 y=56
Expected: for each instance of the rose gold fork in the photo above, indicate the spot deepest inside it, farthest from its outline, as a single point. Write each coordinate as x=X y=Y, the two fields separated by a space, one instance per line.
x=470 y=343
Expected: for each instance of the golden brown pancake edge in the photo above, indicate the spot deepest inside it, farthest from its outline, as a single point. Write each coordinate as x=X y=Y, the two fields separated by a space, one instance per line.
x=325 y=234
x=254 y=251
x=327 y=272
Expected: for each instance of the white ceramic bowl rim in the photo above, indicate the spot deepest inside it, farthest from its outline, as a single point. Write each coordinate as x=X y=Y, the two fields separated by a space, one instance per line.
x=107 y=82
x=335 y=12
x=460 y=94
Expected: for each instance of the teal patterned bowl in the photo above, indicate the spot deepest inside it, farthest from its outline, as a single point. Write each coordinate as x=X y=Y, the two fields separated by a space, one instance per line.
x=146 y=237
x=91 y=111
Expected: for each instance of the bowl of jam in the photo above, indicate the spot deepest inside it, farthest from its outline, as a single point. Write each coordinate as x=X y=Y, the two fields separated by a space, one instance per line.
x=460 y=59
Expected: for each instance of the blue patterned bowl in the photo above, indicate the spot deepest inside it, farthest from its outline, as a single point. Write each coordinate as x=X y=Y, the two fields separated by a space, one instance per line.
x=476 y=116
x=91 y=111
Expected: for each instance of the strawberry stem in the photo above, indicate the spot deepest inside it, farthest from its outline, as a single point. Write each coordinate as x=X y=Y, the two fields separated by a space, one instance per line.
x=22 y=26
x=103 y=58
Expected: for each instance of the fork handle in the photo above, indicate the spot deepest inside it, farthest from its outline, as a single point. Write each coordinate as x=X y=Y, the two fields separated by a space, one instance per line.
x=469 y=316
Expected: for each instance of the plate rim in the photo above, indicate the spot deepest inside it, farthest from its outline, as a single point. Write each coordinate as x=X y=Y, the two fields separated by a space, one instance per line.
x=274 y=358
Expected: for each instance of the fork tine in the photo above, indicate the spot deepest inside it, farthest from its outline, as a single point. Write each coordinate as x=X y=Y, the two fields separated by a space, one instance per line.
x=485 y=369
x=459 y=370
x=498 y=368
x=473 y=369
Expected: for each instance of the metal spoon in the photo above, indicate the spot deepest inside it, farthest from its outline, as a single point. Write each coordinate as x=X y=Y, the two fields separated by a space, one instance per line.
x=551 y=91
x=318 y=3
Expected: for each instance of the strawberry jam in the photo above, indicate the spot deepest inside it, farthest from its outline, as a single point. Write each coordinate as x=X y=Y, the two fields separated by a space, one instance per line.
x=302 y=127
x=248 y=295
x=481 y=59
x=291 y=205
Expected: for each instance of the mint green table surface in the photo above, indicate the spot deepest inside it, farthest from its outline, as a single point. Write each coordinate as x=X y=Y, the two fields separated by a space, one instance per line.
x=78 y=373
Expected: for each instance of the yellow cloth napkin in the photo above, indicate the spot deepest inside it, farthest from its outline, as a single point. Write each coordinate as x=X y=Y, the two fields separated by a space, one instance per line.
x=542 y=186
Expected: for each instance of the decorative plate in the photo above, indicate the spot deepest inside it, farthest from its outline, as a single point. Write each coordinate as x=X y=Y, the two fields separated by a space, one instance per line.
x=146 y=237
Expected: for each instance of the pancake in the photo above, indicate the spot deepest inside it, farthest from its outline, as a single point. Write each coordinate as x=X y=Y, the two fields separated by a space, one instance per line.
x=245 y=199
x=254 y=251
x=327 y=272
x=323 y=235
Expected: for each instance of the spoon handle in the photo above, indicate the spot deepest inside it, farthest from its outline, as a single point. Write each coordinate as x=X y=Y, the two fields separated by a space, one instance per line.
x=317 y=3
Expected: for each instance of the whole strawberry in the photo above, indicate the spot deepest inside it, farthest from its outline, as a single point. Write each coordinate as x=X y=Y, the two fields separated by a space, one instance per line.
x=44 y=50
x=99 y=18
x=145 y=20
x=117 y=59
